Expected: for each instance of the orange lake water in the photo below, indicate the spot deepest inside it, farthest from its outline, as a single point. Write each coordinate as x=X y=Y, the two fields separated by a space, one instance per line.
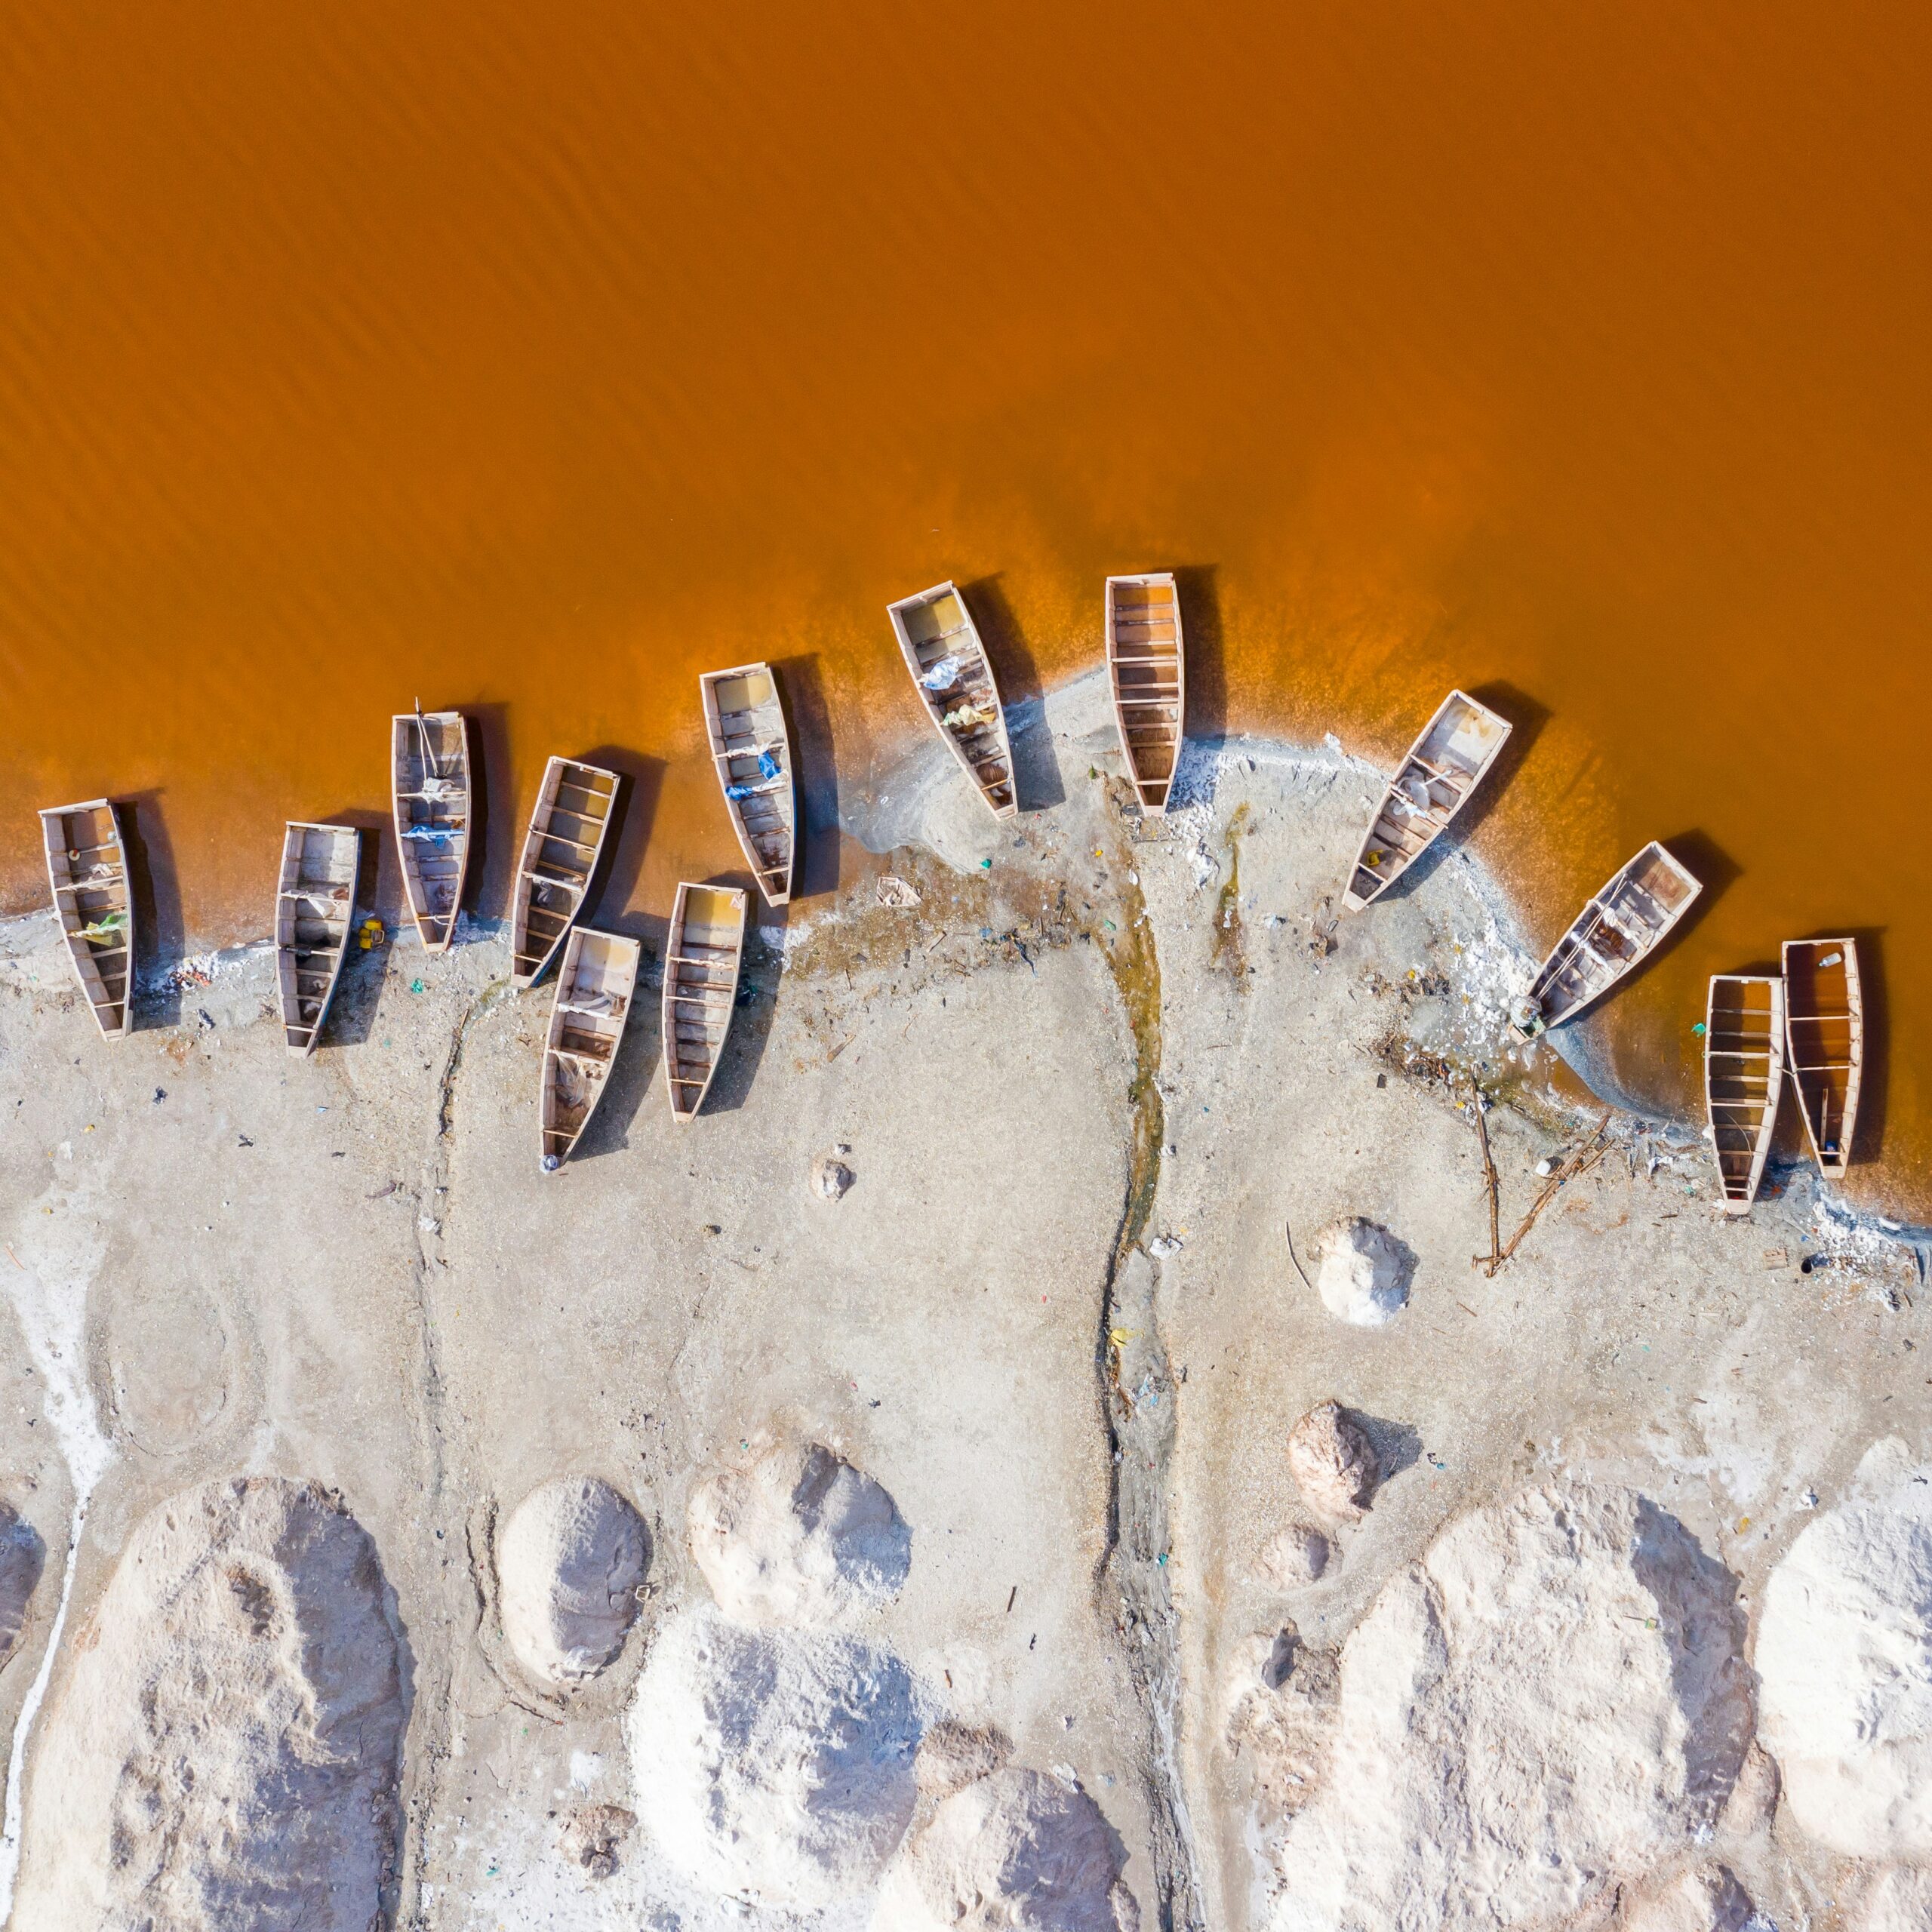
x=534 y=363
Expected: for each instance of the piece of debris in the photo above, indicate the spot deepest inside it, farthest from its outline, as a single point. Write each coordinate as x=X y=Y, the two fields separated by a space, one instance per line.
x=1165 y=1246
x=831 y=1177
x=591 y=1837
x=1334 y=1463
x=902 y=895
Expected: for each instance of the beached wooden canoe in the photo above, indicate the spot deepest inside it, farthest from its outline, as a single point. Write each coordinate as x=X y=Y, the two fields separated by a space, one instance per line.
x=87 y=866
x=1147 y=669
x=1743 y=1075
x=429 y=789
x=1825 y=1041
x=954 y=677
x=1431 y=785
x=1620 y=928
x=703 y=954
x=568 y=825
x=744 y=719
x=315 y=913
x=595 y=985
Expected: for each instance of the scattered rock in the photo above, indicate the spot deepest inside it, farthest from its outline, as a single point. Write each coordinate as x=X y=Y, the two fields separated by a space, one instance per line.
x=952 y=1755
x=22 y=1558
x=569 y=1563
x=1551 y=1704
x=592 y=1836
x=774 y=1767
x=831 y=1179
x=1706 y=1898
x=224 y=1748
x=1362 y=1273
x=798 y=1537
x=1845 y=1659
x=1334 y=1463
x=1296 y=1556
x=1018 y=1849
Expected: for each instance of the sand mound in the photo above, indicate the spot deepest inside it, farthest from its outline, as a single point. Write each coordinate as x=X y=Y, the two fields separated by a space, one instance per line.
x=774 y=1766
x=1362 y=1273
x=1017 y=1852
x=1706 y=1899
x=568 y=1563
x=1844 y=1655
x=1334 y=1463
x=1280 y=1717
x=1296 y=1556
x=223 y=1751
x=1549 y=1703
x=1899 y=1901
x=21 y=1559
x=798 y=1537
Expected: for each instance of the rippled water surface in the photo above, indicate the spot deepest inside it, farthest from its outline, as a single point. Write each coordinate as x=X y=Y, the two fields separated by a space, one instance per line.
x=535 y=362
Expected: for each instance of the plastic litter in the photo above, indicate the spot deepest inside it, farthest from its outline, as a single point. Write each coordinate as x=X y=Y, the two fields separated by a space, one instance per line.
x=109 y=925
x=945 y=672
x=370 y=933
x=430 y=835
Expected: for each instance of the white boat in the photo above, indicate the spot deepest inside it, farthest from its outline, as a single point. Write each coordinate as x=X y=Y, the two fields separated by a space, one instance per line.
x=954 y=680
x=315 y=913
x=1744 y=1022
x=429 y=796
x=87 y=866
x=596 y=985
x=744 y=719
x=568 y=825
x=702 y=957
x=1147 y=673
x=1825 y=1040
x=1613 y=935
x=1433 y=783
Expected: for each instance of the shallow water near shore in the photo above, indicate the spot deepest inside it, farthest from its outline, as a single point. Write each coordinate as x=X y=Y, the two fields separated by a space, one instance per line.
x=349 y=360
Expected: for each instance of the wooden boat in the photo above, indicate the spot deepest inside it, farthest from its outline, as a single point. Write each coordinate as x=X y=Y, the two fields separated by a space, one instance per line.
x=1825 y=1043
x=568 y=825
x=744 y=718
x=1743 y=1075
x=430 y=789
x=954 y=677
x=315 y=913
x=702 y=959
x=1431 y=785
x=595 y=985
x=1621 y=927
x=1147 y=668
x=87 y=866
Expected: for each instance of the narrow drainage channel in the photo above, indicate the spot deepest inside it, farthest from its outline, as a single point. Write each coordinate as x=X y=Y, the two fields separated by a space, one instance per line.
x=1137 y=1397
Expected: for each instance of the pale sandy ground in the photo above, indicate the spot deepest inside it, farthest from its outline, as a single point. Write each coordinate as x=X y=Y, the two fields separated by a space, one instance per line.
x=1104 y=1043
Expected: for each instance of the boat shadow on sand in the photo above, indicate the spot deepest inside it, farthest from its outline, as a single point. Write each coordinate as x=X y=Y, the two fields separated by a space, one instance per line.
x=1038 y=785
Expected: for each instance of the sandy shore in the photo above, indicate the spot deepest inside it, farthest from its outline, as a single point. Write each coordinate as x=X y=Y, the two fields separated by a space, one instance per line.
x=1083 y=1087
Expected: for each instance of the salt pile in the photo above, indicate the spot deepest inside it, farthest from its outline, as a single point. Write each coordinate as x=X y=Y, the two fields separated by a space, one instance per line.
x=773 y=1767
x=1016 y=1852
x=1705 y=1899
x=1362 y=1273
x=1550 y=1703
x=568 y=1564
x=1296 y=1556
x=1334 y=1463
x=1845 y=1659
x=21 y=1558
x=1280 y=1717
x=224 y=1750
x=798 y=1537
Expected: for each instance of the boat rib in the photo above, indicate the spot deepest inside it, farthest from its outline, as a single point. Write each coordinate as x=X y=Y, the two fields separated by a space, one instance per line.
x=87 y=867
x=1618 y=929
x=568 y=825
x=314 y=913
x=1147 y=672
x=744 y=719
x=702 y=958
x=1744 y=1027
x=430 y=793
x=1443 y=768
x=954 y=680
x=594 y=986
x=1824 y=1041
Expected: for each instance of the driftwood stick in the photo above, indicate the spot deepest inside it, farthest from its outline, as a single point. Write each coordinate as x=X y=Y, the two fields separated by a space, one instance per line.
x=1494 y=1257
x=1580 y=1163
